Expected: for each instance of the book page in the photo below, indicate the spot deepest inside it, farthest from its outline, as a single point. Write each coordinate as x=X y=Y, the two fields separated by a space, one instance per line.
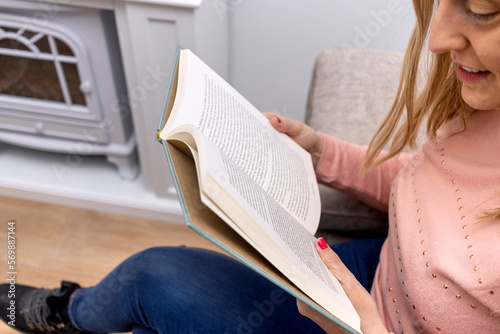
x=182 y=137
x=271 y=159
x=284 y=241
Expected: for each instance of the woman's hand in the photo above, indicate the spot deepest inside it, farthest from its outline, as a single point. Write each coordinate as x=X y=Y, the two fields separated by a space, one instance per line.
x=301 y=133
x=359 y=297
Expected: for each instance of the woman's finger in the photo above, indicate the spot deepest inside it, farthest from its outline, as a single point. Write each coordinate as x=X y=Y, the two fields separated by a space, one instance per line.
x=284 y=124
x=298 y=131
x=335 y=265
x=360 y=298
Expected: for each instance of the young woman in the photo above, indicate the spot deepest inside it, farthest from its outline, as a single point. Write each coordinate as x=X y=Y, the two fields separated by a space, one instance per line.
x=438 y=269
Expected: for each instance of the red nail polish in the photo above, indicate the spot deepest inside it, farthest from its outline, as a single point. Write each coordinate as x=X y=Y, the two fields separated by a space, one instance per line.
x=322 y=243
x=279 y=119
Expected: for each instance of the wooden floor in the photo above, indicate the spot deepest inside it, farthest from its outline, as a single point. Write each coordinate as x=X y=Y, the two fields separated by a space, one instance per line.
x=55 y=243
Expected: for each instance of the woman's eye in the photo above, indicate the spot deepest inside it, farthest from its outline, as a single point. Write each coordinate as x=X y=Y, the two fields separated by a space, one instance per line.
x=481 y=10
x=482 y=16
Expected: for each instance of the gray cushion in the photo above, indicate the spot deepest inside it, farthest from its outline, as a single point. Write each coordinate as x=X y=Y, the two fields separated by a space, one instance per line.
x=350 y=93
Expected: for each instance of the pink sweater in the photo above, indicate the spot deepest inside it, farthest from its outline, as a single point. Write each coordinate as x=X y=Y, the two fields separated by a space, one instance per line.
x=439 y=268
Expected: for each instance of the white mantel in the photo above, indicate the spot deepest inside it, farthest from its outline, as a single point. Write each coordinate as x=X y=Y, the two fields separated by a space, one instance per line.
x=111 y=4
x=149 y=32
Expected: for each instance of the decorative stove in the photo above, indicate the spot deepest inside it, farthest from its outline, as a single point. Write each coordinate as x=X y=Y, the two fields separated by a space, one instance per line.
x=62 y=86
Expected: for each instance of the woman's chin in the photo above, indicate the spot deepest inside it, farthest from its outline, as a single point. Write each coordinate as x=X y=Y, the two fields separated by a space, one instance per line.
x=482 y=99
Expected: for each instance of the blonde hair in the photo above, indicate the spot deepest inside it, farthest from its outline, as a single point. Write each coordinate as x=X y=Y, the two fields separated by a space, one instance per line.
x=440 y=100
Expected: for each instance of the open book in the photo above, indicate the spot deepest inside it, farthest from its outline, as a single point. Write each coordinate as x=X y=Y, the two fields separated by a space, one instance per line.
x=247 y=188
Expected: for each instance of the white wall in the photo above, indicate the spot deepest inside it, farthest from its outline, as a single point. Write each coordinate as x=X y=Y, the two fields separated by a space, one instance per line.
x=273 y=43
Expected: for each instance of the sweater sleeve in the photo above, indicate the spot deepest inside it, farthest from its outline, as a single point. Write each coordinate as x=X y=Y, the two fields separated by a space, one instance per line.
x=339 y=166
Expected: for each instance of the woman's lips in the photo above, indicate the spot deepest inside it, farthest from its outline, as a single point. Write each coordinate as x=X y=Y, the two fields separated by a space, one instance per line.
x=469 y=75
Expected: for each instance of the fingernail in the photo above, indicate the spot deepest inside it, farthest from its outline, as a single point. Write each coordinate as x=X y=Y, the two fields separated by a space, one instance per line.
x=279 y=119
x=322 y=243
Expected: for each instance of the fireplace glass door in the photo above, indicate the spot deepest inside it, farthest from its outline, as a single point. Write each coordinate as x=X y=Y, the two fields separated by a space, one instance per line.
x=44 y=71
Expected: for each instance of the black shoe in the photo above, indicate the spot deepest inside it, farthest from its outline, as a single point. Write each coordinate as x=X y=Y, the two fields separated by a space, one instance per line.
x=33 y=310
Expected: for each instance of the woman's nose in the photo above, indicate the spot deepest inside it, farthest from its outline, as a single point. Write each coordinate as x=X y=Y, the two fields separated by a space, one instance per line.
x=448 y=28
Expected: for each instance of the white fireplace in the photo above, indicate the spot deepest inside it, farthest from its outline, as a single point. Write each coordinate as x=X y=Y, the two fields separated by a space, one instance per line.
x=62 y=84
x=102 y=69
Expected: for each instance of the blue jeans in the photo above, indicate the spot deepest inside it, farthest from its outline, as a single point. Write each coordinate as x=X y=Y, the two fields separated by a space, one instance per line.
x=190 y=290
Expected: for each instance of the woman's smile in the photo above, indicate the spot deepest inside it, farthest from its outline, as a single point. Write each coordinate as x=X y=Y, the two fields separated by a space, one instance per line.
x=470 y=75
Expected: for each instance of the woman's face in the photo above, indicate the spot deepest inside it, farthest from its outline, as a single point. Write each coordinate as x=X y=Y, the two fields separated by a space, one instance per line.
x=470 y=31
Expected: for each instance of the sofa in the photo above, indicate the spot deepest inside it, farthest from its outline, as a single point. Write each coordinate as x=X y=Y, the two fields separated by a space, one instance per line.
x=350 y=93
